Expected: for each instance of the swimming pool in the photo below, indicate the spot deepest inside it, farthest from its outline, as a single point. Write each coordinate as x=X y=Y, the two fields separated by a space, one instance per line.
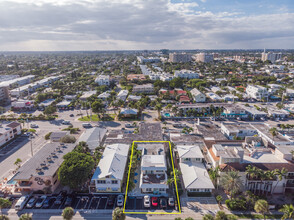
x=166 y=114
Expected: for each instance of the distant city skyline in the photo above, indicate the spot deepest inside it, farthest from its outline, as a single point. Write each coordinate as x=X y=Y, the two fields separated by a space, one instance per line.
x=66 y=25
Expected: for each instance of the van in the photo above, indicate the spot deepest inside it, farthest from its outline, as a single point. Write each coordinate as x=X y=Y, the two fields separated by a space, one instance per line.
x=87 y=125
x=21 y=203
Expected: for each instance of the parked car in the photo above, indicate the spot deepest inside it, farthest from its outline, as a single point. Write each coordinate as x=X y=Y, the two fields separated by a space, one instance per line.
x=146 y=201
x=128 y=125
x=66 y=123
x=68 y=201
x=40 y=201
x=171 y=201
x=31 y=202
x=34 y=126
x=162 y=203
x=154 y=201
x=110 y=200
x=87 y=125
x=59 y=198
x=120 y=200
x=21 y=203
x=48 y=202
x=71 y=115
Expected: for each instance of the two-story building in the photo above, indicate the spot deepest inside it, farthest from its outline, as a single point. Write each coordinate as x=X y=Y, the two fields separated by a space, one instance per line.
x=110 y=171
x=9 y=131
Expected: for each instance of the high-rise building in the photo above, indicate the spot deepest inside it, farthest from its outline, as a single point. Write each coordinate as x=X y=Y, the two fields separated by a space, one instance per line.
x=4 y=96
x=179 y=57
x=273 y=57
x=203 y=57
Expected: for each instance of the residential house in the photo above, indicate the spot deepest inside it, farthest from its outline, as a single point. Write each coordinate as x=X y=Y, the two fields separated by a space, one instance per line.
x=103 y=80
x=122 y=95
x=94 y=137
x=237 y=130
x=257 y=92
x=110 y=171
x=146 y=88
x=197 y=95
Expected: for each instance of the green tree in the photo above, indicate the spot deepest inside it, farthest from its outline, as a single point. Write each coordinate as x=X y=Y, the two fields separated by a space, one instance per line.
x=280 y=174
x=178 y=218
x=47 y=136
x=219 y=199
x=68 y=139
x=231 y=182
x=26 y=216
x=49 y=110
x=288 y=211
x=4 y=203
x=118 y=214
x=68 y=213
x=214 y=175
x=189 y=218
x=75 y=169
x=261 y=206
x=208 y=217
x=220 y=215
x=97 y=107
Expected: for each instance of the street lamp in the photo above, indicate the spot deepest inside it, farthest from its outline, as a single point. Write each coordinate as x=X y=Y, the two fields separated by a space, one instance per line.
x=31 y=139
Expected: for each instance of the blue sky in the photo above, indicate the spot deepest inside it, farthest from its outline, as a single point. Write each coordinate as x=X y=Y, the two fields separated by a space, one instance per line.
x=146 y=24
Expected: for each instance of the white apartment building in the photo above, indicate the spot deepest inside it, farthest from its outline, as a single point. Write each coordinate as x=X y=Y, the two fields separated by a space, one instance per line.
x=146 y=88
x=273 y=57
x=289 y=93
x=153 y=177
x=110 y=171
x=103 y=80
x=203 y=57
x=8 y=132
x=237 y=130
x=142 y=59
x=166 y=77
x=186 y=74
x=257 y=92
x=197 y=95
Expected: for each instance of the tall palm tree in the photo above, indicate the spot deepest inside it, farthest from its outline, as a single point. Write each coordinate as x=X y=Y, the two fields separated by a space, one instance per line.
x=118 y=214
x=288 y=211
x=231 y=182
x=4 y=203
x=274 y=132
x=261 y=206
x=158 y=107
x=280 y=174
x=214 y=175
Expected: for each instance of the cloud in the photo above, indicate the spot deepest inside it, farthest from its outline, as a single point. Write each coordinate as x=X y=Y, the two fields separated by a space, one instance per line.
x=135 y=24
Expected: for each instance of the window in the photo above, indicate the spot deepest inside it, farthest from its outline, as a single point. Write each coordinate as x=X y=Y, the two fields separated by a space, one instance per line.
x=54 y=182
x=161 y=190
x=187 y=159
x=148 y=189
x=114 y=181
x=101 y=181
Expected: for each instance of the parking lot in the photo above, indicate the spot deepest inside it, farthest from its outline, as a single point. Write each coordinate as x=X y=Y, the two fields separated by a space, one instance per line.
x=13 y=144
x=96 y=202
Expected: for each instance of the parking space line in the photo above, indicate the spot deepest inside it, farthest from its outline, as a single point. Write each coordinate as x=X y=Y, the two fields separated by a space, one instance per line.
x=98 y=202
x=78 y=202
x=90 y=203
x=106 y=202
x=87 y=200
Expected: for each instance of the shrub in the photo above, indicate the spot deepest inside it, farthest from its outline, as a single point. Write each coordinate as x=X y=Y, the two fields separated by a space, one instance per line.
x=236 y=204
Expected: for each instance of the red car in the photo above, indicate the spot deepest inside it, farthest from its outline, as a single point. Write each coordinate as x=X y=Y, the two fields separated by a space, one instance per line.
x=154 y=201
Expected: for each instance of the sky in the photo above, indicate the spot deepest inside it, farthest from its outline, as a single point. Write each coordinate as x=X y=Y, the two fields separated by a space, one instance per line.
x=70 y=25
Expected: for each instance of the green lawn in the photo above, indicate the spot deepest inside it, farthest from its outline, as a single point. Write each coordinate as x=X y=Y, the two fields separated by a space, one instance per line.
x=96 y=118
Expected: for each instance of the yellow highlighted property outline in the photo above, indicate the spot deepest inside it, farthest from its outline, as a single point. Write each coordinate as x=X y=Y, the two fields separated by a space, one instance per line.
x=126 y=195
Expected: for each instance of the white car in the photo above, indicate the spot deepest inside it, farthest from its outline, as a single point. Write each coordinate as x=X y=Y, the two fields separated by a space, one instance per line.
x=34 y=126
x=40 y=201
x=147 y=201
x=120 y=200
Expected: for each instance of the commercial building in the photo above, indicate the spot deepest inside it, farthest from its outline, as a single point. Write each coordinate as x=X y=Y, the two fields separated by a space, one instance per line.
x=40 y=172
x=179 y=57
x=17 y=81
x=197 y=95
x=103 y=80
x=203 y=57
x=22 y=105
x=143 y=60
x=257 y=92
x=110 y=171
x=132 y=77
x=186 y=74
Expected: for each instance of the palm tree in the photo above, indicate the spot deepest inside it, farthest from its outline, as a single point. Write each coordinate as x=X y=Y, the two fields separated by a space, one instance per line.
x=261 y=206
x=214 y=175
x=17 y=162
x=158 y=107
x=4 y=203
x=288 y=211
x=280 y=174
x=68 y=213
x=231 y=182
x=26 y=216
x=118 y=214
x=274 y=132
x=176 y=173
x=220 y=215
x=219 y=199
